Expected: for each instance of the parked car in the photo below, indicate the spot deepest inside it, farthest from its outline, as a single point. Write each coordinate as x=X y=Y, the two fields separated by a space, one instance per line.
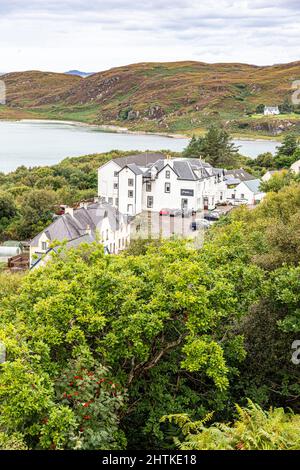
x=170 y=212
x=199 y=223
x=177 y=212
x=187 y=212
x=213 y=216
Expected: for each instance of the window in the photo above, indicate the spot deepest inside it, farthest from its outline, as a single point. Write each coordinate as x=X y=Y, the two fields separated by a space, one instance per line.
x=44 y=246
x=168 y=174
x=130 y=182
x=148 y=186
x=116 y=185
x=150 y=202
x=117 y=201
x=106 y=234
x=130 y=193
x=110 y=200
x=167 y=187
x=242 y=196
x=116 y=174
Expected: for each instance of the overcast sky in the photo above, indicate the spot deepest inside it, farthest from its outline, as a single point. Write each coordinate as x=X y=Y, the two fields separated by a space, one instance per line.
x=95 y=35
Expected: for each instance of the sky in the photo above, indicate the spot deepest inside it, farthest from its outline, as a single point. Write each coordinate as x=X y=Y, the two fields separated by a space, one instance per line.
x=92 y=36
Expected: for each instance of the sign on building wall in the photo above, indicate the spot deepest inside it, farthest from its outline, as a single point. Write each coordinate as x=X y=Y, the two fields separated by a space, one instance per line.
x=187 y=192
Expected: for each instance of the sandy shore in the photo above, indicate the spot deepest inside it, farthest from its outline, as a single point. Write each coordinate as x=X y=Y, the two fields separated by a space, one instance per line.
x=125 y=130
x=106 y=128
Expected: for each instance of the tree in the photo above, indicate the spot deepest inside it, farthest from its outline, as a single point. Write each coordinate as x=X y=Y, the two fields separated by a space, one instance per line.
x=36 y=211
x=260 y=109
x=286 y=107
x=279 y=180
x=215 y=148
x=289 y=145
x=263 y=160
x=159 y=322
x=8 y=211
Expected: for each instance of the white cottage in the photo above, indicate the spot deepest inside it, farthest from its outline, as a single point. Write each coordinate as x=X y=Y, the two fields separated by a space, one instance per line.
x=248 y=192
x=87 y=224
x=271 y=111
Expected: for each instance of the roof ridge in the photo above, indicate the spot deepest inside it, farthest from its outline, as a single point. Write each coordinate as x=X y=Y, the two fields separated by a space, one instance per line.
x=72 y=221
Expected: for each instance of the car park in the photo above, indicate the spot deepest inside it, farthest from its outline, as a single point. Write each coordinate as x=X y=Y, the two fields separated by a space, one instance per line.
x=212 y=216
x=199 y=223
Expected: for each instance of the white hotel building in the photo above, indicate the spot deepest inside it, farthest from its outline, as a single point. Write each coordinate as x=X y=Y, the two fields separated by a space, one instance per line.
x=150 y=181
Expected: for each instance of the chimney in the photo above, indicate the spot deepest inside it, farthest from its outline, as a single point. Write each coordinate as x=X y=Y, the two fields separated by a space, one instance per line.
x=153 y=172
x=69 y=210
x=88 y=230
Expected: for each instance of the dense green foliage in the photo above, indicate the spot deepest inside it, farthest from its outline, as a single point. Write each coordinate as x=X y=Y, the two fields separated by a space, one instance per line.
x=287 y=153
x=215 y=148
x=99 y=342
x=254 y=429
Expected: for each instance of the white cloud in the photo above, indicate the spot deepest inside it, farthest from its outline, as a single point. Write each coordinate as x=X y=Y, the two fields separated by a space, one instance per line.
x=59 y=35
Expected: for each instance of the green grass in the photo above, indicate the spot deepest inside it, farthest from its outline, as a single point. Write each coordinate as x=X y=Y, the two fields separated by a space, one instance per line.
x=278 y=117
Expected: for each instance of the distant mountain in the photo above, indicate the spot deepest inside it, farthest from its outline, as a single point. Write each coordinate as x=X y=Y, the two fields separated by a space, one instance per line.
x=172 y=97
x=79 y=73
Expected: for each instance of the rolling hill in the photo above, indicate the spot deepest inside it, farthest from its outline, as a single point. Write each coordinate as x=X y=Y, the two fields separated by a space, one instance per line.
x=166 y=97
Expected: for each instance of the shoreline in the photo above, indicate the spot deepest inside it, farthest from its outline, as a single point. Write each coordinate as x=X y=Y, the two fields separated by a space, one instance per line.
x=102 y=127
x=124 y=130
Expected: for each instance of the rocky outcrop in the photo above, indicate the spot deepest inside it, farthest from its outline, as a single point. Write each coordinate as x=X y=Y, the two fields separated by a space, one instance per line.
x=156 y=112
x=132 y=115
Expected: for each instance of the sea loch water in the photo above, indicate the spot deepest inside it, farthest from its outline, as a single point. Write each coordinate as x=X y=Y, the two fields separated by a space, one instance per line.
x=46 y=143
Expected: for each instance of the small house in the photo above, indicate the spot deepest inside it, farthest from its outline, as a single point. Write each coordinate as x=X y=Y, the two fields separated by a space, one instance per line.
x=271 y=111
x=248 y=192
x=295 y=167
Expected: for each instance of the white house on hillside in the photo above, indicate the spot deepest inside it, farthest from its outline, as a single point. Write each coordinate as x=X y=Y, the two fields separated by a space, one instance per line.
x=271 y=111
x=88 y=223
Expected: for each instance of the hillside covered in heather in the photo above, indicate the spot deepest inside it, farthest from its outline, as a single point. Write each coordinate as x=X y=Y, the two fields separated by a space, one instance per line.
x=167 y=97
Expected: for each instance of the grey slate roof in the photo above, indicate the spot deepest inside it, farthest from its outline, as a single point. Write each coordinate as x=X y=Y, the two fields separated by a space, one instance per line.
x=240 y=174
x=68 y=227
x=87 y=238
x=140 y=159
x=253 y=185
x=184 y=170
x=183 y=167
x=231 y=181
x=133 y=167
x=70 y=244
